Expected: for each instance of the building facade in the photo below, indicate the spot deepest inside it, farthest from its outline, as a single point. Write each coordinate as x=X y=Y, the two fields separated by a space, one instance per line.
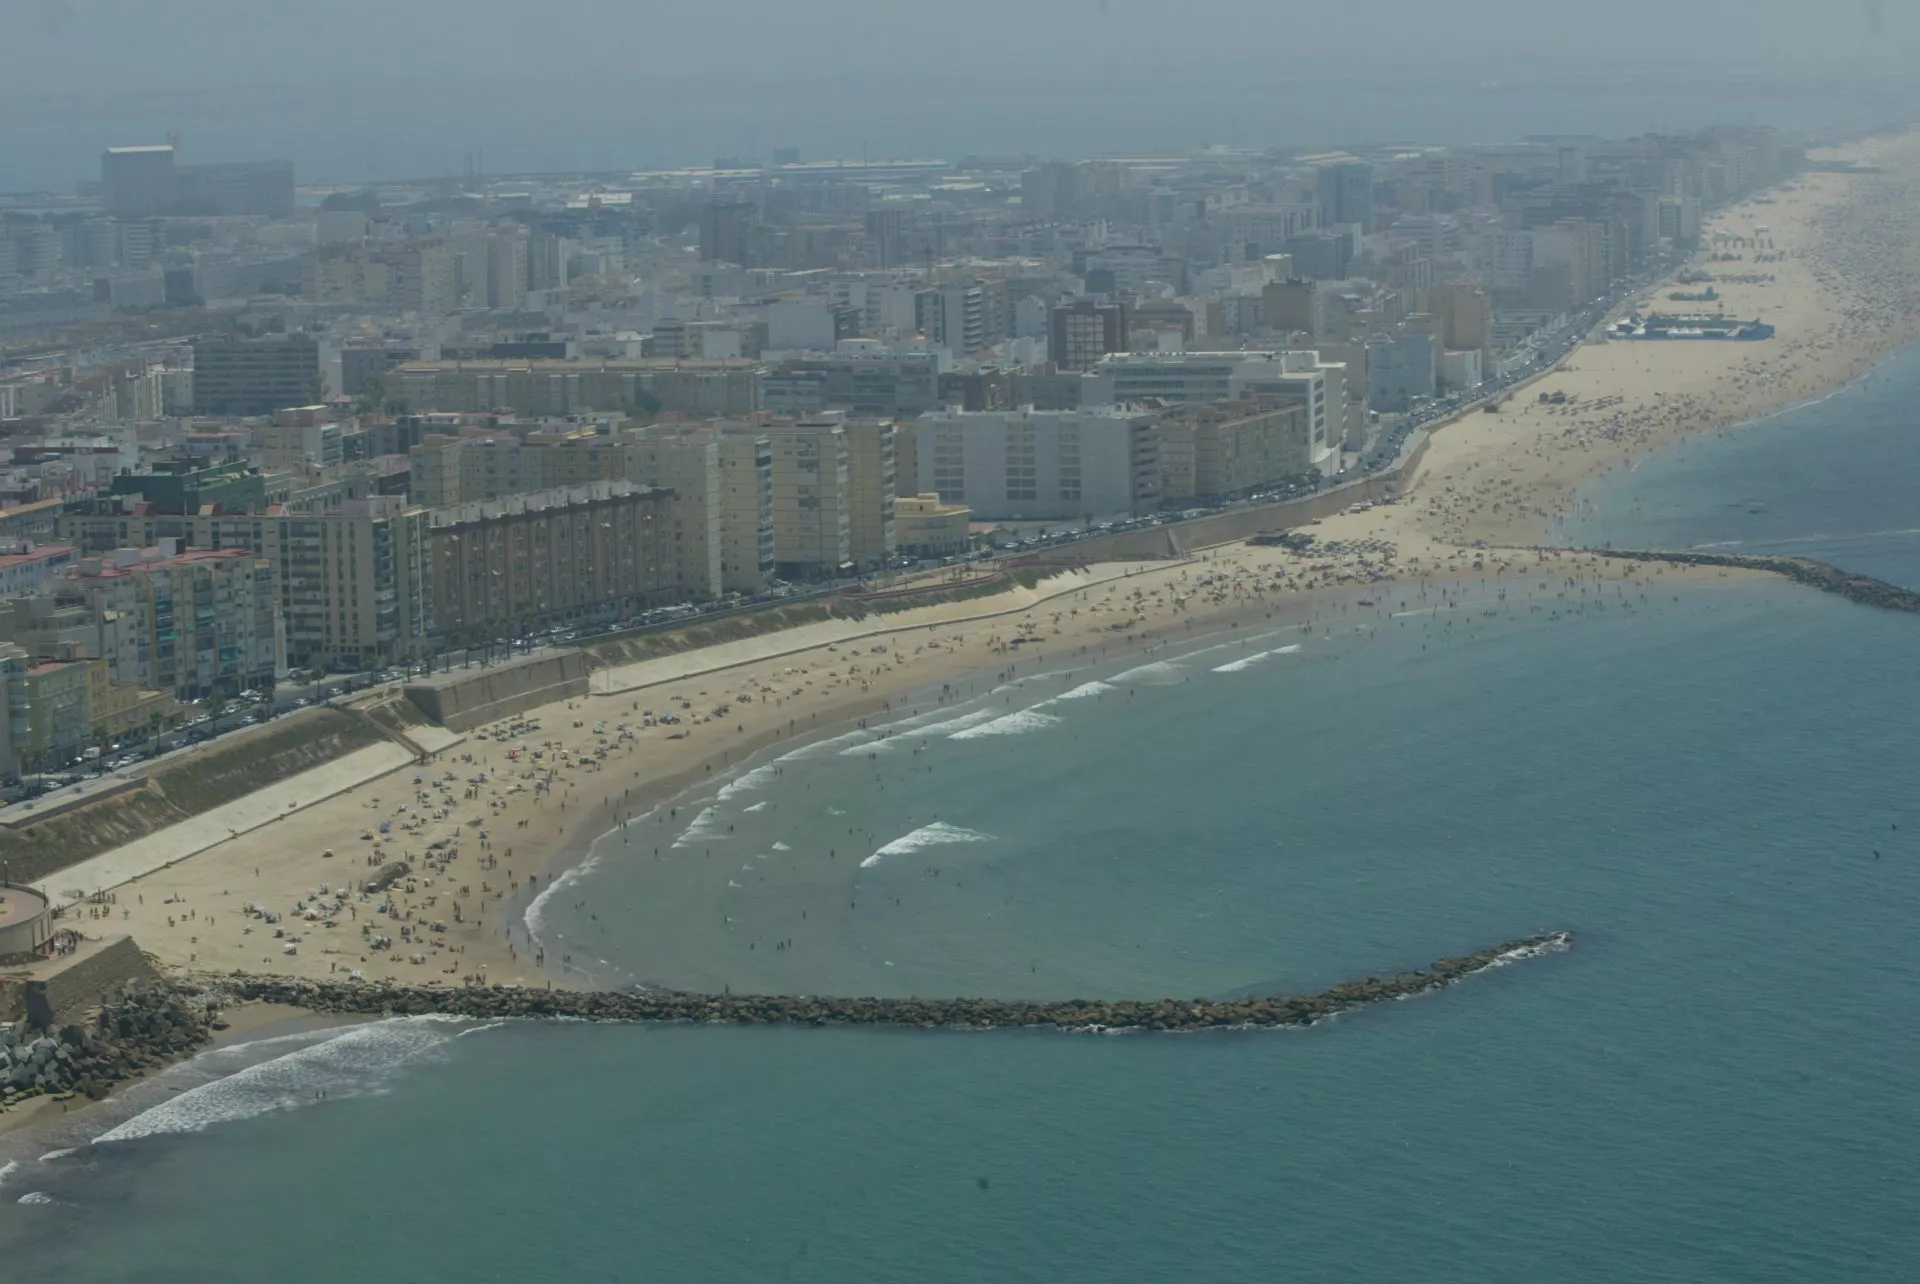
x=503 y=567
x=1221 y=450
x=236 y=375
x=1040 y=465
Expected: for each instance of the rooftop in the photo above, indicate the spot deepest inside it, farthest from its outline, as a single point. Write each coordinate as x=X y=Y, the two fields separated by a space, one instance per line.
x=18 y=904
x=44 y=553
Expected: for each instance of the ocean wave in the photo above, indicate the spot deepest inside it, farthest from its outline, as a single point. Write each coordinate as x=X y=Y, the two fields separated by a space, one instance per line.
x=1017 y=723
x=762 y=805
x=8 y=1169
x=35 y=1197
x=535 y=917
x=705 y=828
x=758 y=778
x=1084 y=690
x=1248 y=661
x=822 y=748
x=353 y=1063
x=938 y=834
x=946 y=726
x=781 y=847
x=52 y=1155
x=1160 y=671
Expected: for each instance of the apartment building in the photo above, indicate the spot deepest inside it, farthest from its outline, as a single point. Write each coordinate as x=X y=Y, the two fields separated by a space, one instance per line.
x=237 y=375
x=559 y=387
x=930 y=527
x=688 y=466
x=871 y=481
x=812 y=522
x=504 y=566
x=1134 y=377
x=192 y=624
x=746 y=511
x=1085 y=330
x=355 y=585
x=1220 y=450
x=867 y=381
x=1040 y=465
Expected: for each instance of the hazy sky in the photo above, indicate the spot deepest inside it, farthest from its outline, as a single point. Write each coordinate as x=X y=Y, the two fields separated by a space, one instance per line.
x=162 y=42
x=354 y=89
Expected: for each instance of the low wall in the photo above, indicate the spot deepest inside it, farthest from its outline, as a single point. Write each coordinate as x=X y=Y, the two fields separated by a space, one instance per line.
x=46 y=809
x=464 y=700
x=1177 y=539
x=59 y=994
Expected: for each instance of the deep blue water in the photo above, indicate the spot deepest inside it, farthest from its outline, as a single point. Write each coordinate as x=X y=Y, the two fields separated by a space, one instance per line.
x=1712 y=785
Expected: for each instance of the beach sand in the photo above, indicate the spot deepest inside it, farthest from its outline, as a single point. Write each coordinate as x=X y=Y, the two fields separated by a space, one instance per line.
x=521 y=801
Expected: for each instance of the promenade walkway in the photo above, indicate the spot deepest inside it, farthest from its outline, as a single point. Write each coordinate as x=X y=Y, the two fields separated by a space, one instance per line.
x=196 y=834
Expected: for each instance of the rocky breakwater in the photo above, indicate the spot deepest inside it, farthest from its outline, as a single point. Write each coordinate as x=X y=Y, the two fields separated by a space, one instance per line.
x=1079 y=1015
x=1812 y=572
x=139 y=1028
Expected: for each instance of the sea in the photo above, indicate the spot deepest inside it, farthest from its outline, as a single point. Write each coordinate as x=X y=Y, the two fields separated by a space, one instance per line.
x=1712 y=784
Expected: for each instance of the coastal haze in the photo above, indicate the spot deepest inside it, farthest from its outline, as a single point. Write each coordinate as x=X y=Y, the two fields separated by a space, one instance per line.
x=362 y=91
x=815 y=544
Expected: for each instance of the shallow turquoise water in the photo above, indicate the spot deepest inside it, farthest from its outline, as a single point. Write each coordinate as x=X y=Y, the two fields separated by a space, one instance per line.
x=1836 y=479
x=1713 y=1085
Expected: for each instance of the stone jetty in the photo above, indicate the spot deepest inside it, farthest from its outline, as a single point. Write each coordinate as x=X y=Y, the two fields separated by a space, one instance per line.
x=1076 y=1015
x=141 y=1027
x=1812 y=572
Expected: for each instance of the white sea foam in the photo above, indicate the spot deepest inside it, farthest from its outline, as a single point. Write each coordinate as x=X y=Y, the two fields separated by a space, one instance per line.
x=535 y=917
x=946 y=726
x=1083 y=691
x=758 y=778
x=8 y=1169
x=731 y=883
x=1160 y=671
x=762 y=805
x=52 y=1155
x=36 y=1197
x=781 y=847
x=1248 y=661
x=822 y=748
x=1017 y=723
x=939 y=833
x=705 y=828
x=355 y=1062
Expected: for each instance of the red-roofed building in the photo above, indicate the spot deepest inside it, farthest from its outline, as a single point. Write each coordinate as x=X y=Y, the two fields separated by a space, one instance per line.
x=192 y=624
x=24 y=568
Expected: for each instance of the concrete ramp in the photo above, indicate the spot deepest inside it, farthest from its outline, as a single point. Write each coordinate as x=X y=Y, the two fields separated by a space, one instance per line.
x=466 y=698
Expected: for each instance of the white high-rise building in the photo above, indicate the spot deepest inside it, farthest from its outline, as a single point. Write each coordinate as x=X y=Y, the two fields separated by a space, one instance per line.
x=1040 y=465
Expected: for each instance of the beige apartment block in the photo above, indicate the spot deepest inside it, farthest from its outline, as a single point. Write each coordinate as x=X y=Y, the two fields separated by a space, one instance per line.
x=930 y=528
x=870 y=491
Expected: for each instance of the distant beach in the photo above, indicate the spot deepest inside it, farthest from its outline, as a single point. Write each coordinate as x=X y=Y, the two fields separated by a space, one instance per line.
x=1842 y=272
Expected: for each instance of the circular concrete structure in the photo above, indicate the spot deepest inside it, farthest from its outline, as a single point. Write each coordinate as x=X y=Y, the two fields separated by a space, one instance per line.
x=26 y=919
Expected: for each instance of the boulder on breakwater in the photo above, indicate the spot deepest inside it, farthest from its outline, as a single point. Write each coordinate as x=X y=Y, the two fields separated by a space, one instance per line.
x=141 y=1027
x=1255 y=1012
x=1812 y=572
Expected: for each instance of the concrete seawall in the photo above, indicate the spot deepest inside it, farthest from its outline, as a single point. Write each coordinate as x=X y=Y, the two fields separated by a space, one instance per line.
x=1180 y=538
x=465 y=699
x=48 y=992
x=1257 y=1012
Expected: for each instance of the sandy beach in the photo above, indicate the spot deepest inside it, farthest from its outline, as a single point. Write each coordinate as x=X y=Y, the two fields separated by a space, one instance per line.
x=491 y=821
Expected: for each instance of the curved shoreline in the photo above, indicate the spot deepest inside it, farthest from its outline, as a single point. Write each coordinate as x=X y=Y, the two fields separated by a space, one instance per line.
x=1809 y=571
x=1262 y=1012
